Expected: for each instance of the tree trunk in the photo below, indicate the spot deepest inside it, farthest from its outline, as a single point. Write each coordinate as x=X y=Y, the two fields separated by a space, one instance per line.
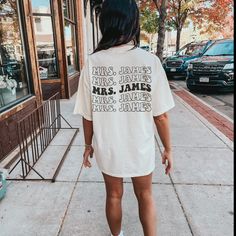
x=162 y=29
x=179 y=30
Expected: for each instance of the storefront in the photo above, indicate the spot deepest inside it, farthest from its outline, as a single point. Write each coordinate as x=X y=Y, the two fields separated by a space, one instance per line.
x=43 y=45
x=15 y=84
x=58 y=43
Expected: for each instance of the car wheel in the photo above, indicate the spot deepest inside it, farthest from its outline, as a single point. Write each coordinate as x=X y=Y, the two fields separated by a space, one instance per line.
x=170 y=77
x=191 y=89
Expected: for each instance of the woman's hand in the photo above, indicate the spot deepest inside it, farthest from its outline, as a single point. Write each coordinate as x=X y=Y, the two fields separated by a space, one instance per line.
x=88 y=153
x=163 y=128
x=167 y=160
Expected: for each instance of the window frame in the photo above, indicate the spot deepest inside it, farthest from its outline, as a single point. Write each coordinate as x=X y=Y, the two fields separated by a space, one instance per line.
x=52 y=16
x=25 y=54
x=72 y=20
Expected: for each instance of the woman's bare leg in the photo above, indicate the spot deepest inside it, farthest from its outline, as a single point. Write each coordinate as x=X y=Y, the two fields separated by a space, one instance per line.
x=147 y=210
x=114 y=190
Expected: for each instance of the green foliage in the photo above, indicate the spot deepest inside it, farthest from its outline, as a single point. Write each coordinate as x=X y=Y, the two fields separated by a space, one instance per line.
x=149 y=20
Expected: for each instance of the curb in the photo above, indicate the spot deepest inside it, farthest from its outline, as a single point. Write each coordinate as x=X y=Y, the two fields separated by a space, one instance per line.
x=177 y=87
x=219 y=124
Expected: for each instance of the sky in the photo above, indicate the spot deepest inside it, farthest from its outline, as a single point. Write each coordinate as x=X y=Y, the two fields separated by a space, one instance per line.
x=38 y=3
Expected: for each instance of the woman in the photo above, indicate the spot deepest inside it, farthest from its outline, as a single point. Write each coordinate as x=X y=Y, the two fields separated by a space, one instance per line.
x=122 y=90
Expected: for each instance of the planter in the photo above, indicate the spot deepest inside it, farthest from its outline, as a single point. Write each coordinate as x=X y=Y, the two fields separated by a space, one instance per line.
x=3 y=185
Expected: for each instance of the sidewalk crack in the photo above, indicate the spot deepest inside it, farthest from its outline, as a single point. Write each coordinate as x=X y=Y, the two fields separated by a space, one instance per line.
x=177 y=195
x=68 y=205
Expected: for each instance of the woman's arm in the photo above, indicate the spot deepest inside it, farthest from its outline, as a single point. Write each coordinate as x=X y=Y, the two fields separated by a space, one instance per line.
x=88 y=131
x=88 y=136
x=163 y=129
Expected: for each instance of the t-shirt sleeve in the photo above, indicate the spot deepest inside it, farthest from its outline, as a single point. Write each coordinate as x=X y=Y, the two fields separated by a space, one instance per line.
x=83 y=103
x=162 y=98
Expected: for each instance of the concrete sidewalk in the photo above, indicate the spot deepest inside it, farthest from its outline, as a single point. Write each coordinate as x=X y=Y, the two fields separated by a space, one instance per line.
x=195 y=200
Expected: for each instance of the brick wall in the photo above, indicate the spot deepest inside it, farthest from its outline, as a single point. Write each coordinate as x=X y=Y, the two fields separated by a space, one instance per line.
x=50 y=89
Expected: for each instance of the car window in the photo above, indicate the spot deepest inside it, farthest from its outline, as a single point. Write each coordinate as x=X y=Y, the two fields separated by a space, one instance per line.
x=147 y=48
x=192 y=49
x=225 y=48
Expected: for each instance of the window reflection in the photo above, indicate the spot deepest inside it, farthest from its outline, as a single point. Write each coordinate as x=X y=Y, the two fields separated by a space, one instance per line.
x=66 y=8
x=45 y=42
x=45 y=47
x=70 y=38
x=70 y=48
x=13 y=78
x=41 y=6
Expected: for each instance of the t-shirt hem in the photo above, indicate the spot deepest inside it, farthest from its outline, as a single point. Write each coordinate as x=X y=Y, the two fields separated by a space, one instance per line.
x=87 y=117
x=128 y=175
x=166 y=109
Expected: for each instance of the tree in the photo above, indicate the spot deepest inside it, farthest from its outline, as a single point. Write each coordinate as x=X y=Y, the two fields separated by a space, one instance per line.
x=148 y=22
x=159 y=7
x=218 y=16
x=178 y=13
x=161 y=27
x=228 y=29
x=172 y=14
x=207 y=15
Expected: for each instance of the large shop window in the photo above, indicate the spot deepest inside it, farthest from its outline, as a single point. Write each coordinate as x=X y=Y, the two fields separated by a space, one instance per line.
x=14 y=83
x=70 y=36
x=45 y=43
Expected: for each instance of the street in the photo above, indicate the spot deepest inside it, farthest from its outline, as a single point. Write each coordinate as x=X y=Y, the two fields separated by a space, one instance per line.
x=223 y=102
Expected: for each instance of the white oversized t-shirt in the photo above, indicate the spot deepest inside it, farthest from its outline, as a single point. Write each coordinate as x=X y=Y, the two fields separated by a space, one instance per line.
x=120 y=90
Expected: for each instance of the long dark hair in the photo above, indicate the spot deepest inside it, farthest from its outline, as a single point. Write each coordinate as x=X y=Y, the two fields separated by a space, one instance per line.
x=119 y=24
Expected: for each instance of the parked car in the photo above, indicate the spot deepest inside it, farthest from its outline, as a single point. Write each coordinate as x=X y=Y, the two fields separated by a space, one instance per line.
x=215 y=69
x=145 y=47
x=177 y=64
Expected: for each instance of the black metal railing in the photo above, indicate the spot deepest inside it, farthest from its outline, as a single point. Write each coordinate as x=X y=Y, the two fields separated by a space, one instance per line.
x=35 y=133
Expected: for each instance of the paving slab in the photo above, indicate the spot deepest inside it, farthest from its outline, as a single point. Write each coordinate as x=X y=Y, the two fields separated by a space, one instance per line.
x=34 y=209
x=203 y=166
x=67 y=107
x=183 y=118
x=79 y=139
x=72 y=165
x=45 y=166
x=171 y=220
x=50 y=159
x=48 y=162
x=159 y=175
x=220 y=122
x=209 y=209
x=92 y=174
x=193 y=137
x=86 y=214
x=16 y=173
x=64 y=137
x=188 y=131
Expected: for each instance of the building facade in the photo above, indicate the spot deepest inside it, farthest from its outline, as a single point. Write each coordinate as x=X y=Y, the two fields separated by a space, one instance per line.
x=43 y=45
